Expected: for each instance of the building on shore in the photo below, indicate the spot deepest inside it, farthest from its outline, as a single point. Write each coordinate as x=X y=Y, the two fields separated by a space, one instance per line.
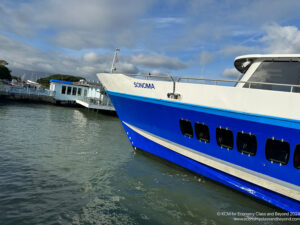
x=91 y=95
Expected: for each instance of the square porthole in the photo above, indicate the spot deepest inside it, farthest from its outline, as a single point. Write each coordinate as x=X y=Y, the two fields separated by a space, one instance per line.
x=297 y=157
x=277 y=151
x=225 y=138
x=202 y=132
x=186 y=128
x=246 y=143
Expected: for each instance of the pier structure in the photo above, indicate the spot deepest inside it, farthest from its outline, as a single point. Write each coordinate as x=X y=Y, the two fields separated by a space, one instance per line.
x=89 y=94
x=26 y=93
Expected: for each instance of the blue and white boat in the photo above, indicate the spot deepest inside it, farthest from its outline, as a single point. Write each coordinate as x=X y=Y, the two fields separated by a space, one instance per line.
x=246 y=136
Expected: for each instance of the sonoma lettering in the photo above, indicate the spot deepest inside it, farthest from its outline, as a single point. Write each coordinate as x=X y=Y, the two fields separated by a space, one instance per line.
x=144 y=85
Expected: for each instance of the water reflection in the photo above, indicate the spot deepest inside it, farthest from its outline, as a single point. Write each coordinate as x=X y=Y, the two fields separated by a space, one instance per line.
x=72 y=166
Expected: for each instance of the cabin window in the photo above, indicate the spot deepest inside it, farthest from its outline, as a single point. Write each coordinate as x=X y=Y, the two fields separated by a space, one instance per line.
x=79 y=92
x=279 y=72
x=246 y=143
x=69 y=90
x=224 y=138
x=63 y=90
x=277 y=151
x=186 y=128
x=297 y=157
x=85 y=92
x=74 y=91
x=202 y=132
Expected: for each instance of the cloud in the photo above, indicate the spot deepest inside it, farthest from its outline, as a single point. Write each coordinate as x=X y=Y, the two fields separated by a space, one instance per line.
x=206 y=58
x=258 y=12
x=77 y=24
x=91 y=57
x=281 y=39
x=211 y=24
x=231 y=73
x=22 y=56
x=164 y=22
x=158 y=61
x=48 y=30
x=127 y=68
x=236 y=50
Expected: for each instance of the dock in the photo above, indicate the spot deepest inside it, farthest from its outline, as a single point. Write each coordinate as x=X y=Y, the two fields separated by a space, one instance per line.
x=93 y=103
x=99 y=103
x=91 y=95
x=26 y=94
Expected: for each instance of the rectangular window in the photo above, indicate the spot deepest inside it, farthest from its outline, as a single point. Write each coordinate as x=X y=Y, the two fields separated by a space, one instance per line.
x=279 y=72
x=79 y=92
x=277 y=151
x=186 y=128
x=69 y=90
x=246 y=143
x=202 y=132
x=85 y=92
x=224 y=138
x=74 y=92
x=297 y=157
x=63 y=90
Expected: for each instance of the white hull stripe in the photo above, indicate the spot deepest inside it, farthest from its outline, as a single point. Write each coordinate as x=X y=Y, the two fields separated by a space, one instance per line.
x=270 y=183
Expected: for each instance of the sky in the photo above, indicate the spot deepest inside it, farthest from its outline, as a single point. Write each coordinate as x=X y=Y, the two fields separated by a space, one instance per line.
x=193 y=38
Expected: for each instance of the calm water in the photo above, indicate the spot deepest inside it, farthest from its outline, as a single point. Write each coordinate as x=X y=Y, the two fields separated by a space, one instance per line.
x=73 y=166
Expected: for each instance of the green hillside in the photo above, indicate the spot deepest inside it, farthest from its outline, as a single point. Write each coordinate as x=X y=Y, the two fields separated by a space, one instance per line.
x=46 y=80
x=4 y=73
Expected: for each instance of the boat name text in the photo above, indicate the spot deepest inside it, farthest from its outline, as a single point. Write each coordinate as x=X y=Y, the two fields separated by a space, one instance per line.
x=144 y=85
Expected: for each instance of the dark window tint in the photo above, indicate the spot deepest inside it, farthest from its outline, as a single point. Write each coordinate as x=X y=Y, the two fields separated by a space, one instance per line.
x=186 y=128
x=246 y=143
x=280 y=72
x=74 y=91
x=277 y=151
x=63 y=89
x=297 y=157
x=202 y=132
x=79 y=91
x=224 y=138
x=69 y=90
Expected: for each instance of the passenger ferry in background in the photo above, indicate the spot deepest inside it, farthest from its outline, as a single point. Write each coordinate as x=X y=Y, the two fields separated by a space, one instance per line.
x=245 y=135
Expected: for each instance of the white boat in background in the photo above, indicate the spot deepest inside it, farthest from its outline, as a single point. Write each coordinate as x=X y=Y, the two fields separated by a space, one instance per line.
x=246 y=136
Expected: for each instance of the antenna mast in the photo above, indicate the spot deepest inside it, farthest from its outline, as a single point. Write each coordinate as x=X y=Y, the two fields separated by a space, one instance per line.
x=113 y=68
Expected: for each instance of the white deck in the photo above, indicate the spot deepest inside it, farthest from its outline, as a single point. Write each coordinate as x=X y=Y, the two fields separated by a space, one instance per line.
x=95 y=106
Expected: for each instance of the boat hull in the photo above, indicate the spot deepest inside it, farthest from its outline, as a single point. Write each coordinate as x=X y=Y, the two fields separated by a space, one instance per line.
x=152 y=125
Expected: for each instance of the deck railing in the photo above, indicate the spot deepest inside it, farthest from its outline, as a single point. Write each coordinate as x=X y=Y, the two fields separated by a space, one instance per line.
x=97 y=101
x=26 y=91
x=247 y=84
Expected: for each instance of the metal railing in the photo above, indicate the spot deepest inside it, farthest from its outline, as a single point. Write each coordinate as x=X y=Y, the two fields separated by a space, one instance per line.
x=251 y=84
x=26 y=91
x=97 y=101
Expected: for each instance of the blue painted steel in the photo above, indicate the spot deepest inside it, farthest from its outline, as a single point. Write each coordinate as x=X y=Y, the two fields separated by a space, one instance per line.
x=233 y=182
x=161 y=118
x=61 y=81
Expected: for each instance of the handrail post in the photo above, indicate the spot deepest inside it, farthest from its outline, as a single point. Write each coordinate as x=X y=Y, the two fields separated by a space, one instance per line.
x=174 y=83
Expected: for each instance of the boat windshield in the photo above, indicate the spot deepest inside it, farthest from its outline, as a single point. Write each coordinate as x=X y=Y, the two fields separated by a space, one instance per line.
x=280 y=72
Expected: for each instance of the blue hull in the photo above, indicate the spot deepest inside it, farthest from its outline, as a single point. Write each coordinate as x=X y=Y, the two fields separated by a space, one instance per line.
x=161 y=118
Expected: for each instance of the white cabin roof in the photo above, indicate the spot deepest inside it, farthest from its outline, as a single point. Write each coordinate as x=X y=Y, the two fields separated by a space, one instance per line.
x=243 y=62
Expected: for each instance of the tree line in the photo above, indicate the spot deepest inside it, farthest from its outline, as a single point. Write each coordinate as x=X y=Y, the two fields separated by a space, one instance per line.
x=5 y=74
x=4 y=71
